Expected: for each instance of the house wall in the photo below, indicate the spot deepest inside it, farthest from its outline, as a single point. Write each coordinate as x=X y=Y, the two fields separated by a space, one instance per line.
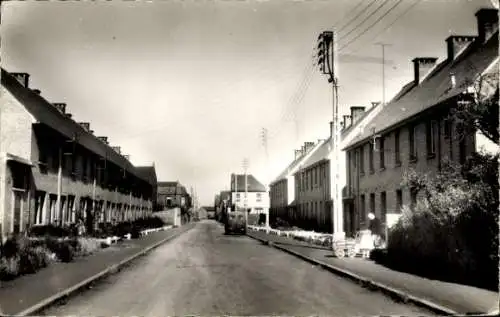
x=19 y=137
x=388 y=179
x=15 y=138
x=313 y=200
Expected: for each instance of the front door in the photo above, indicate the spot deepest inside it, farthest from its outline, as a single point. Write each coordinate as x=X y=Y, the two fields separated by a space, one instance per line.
x=19 y=203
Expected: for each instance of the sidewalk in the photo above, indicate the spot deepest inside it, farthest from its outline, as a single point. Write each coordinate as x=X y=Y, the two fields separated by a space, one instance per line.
x=459 y=298
x=28 y=290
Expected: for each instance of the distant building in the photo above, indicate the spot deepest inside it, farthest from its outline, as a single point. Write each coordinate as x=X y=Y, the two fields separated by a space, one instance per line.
x=282 y=188
x=172 y=194
x=256 y=201
x=54 y=170
x=413 y=130
x=149 y=172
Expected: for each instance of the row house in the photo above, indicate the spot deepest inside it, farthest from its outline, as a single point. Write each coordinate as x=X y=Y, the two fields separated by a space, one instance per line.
x=222 y=201
x=414 y=130
x=282 y=188
x=314 y=180
x=255 y=199
x=173 y=194
x=56 y=171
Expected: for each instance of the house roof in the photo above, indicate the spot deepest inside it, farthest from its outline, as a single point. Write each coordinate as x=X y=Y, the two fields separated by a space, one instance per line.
x=148 y=172
x=435 y=88
x=320 y=154
x=225 y=194
x=253 y=184
x=45 y=113
x=351 y=127
x=290 y=168
x=171 y=188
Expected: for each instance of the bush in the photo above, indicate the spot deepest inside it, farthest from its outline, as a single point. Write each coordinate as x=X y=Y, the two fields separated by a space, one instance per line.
x=50 y=230
x=63 y=249
x=9 y=268
x=86 y=246
x=454 y=225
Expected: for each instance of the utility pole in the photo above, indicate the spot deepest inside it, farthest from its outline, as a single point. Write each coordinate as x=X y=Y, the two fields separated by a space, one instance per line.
x=264 y=136
x=327 y=62
x=245 y=202
x=383 y=45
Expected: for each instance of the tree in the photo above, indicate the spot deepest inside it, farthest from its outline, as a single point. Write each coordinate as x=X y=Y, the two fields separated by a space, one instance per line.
x=478 y=108
x=455 y=223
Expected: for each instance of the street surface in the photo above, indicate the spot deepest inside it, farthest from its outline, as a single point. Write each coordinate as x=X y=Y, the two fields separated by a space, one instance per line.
x=204 y=272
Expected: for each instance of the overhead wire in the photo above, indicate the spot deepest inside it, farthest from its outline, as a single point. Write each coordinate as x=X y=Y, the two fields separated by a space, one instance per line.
x=393 y=22
x=357 y=16
x=366 y=19
x=371 y=26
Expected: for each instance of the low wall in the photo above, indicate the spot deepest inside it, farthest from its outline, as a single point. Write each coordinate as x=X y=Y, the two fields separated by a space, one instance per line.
x=170 y=216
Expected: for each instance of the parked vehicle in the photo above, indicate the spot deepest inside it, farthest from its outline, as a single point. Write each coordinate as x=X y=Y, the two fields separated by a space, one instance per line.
x=235 y=221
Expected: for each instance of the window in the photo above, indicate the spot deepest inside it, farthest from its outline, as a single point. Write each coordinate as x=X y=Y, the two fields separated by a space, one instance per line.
x=39 y=203
x=363 y=209
x=259 y=197
x=362 y=160
x=399 y=200
x=447 y=128
x=431 y=134
x=413 y=194
x=462 y=150
x=372 y=203
x=411 y=140
x=71 y=215
x=397 y=154
x=52 y=208
x=382 y=152
x=370 y=153
x=237 y=196
x=383 y=206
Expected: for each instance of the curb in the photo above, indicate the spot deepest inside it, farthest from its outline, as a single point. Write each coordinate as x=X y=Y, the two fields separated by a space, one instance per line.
x=44 y=304
x=394 y=293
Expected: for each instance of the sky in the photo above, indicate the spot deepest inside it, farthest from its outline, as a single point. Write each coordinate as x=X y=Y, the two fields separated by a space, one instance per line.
x=189 y=85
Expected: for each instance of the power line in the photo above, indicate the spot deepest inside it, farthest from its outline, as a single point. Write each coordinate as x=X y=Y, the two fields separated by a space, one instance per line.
x=392 y=23
x=366 y=19
x=362 y=11
x=368 y=28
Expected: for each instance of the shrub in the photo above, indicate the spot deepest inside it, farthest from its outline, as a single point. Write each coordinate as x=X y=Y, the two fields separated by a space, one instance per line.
x=63 y=249
x=86 y=246
x=50 y=230
x=9 y=268
x=454 y=225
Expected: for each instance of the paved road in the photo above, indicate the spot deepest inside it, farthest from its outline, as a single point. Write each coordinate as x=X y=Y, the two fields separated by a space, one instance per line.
x=204 y=272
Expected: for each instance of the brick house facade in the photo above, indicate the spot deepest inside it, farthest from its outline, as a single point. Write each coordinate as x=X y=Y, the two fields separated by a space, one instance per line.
x=282 y=188
x=413 y=130
x=54 y=170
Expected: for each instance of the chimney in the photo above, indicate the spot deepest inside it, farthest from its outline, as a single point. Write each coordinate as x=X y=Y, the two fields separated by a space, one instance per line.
x=126 y=156
x=85 y=125
x=308 y=146
x=91 y=131
x=36 y=91
x=298 y=153
x=104 y=139
x=22 y=78
x=422 y=66
x=375 y=103
x=116 y=149
x=347 y=121
x=60 y=106
x=487 y=23
x=69 y=115
x=356 y=113
x=455 y=43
